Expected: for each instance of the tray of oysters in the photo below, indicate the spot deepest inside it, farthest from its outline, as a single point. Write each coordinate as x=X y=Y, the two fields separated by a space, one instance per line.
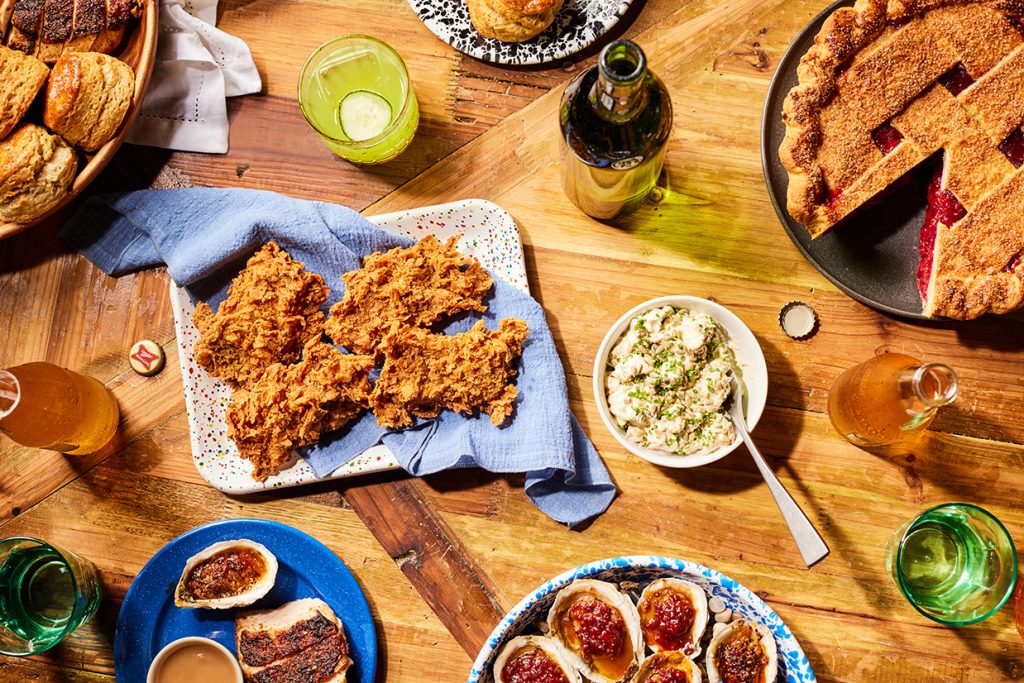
x=641 y=619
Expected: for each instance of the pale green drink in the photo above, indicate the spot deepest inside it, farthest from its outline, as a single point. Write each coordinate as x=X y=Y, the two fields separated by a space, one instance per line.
x=355 y=92
x=955 y=563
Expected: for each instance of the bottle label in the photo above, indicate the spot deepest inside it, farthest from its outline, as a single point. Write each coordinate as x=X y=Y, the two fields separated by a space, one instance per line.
x=626 y=164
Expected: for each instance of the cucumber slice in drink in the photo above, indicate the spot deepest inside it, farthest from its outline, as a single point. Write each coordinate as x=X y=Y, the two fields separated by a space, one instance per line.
x=363 y=115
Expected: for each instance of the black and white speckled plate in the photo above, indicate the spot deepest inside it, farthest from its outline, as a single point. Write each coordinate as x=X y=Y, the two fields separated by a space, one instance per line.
x=576 y=26
x=872 y=254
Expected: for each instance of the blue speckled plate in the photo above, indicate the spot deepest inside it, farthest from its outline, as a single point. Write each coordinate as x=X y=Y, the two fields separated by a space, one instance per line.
x=642 y=569
x=307 y=569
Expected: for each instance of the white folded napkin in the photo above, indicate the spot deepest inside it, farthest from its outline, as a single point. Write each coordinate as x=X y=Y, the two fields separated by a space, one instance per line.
x=197 y=67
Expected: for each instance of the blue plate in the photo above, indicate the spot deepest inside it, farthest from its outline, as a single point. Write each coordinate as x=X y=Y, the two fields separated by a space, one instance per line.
x=307 y=569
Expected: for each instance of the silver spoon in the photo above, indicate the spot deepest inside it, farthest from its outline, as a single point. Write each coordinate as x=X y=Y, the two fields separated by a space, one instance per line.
x=811 y=545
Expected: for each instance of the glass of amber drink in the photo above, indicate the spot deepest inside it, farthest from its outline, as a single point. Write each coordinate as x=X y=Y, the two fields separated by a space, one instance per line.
x=45 y=406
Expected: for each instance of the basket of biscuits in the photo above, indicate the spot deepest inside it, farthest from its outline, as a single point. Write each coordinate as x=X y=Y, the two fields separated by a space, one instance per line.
x=72 y=77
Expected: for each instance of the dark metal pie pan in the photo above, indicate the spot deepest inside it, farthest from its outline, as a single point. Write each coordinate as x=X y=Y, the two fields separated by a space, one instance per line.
x=872 y=254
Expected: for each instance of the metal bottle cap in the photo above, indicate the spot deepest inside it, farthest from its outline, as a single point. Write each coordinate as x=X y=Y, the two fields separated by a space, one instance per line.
x=798 y=320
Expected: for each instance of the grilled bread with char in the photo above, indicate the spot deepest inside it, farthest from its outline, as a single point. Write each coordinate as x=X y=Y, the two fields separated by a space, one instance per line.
x=299 y=642
x=48 y=29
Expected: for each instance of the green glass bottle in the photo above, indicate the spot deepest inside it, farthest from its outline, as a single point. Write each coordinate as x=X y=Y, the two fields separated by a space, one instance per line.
x=616 y=119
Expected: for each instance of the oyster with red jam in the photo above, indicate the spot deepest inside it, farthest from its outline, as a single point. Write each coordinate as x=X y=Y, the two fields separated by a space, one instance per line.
x=534 y=659
x=226 y=574
x=668 y=666
x=599 y=628
x=742 y=652
x=673 y=615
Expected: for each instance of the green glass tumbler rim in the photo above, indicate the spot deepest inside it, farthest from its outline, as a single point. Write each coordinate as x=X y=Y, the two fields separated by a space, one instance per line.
x=957 y=622
x=395 y=120
x=71 y=624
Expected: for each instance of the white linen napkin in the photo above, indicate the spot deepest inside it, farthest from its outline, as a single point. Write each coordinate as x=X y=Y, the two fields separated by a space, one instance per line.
x=197 y=67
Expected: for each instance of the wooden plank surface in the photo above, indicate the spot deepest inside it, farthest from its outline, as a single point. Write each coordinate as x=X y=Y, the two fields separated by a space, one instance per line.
x=443 y=557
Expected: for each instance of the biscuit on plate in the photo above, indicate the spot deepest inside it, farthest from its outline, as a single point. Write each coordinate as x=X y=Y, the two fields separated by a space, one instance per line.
x=512 y=21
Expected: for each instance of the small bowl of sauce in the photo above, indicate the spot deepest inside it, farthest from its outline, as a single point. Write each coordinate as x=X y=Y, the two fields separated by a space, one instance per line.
x=194 y=659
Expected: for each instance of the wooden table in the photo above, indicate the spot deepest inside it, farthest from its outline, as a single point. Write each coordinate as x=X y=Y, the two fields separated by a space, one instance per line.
x=441 y=559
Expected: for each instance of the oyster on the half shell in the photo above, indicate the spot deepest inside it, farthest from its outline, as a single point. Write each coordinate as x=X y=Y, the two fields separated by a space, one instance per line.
x=541 y=656
x=226 y=574
x=668 y=665
x=673 y=615
x=743 y=648
x=599 y=628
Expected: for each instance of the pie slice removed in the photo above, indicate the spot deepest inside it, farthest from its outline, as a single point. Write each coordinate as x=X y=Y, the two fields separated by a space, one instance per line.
x=889 y=85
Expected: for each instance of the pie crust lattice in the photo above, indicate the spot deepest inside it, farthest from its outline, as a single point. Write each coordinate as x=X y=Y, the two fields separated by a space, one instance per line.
x=887 y=86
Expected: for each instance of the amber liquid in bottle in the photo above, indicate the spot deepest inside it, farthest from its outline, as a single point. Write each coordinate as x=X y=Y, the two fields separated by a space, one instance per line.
x=46 y=406
x=616 y=119
x=889 y=399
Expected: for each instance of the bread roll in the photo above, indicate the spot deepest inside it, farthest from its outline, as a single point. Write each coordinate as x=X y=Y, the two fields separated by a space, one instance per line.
x=87 y=98
x=21 y=77
x=512 y=21
x=36 y=170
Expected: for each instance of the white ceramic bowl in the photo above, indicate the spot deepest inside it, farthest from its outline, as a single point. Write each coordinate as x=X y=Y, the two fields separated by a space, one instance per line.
x=753 y=374
x=176 y=645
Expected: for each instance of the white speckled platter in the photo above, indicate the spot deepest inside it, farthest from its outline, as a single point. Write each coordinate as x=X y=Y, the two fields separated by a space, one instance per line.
x=576 y=26
x=489 y=234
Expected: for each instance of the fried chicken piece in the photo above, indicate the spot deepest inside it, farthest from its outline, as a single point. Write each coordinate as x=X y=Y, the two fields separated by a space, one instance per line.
x=291 y=405
x=417 y=286
x=271 y=311
x=425 y=372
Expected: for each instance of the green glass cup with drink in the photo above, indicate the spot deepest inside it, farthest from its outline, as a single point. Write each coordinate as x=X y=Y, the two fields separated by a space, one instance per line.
x=46 y=592
x=356 y=94
x=955 y=563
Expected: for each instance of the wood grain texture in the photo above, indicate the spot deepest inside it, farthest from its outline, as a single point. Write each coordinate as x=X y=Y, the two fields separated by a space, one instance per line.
x=441 y=558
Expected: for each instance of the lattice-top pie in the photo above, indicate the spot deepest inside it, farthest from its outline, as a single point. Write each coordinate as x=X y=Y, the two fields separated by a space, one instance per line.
x=890 y=85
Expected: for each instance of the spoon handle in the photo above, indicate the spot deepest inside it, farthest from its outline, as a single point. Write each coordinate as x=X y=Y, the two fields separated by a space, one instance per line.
x=810 y=543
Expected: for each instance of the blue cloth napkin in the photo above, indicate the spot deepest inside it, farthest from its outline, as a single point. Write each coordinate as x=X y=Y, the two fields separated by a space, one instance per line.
x=205 y=236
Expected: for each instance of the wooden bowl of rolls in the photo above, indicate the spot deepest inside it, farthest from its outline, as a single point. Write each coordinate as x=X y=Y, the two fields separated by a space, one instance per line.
x=72 y=77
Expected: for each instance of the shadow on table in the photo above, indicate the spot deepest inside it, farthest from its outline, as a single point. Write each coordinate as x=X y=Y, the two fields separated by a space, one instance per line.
x=979 y=639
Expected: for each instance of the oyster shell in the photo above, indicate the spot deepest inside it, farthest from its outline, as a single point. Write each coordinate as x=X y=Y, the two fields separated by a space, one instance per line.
x=534 y=645
x=654 y=608
x=661 y=662
x=602 y=655
x=226 y=574
x=743 y=635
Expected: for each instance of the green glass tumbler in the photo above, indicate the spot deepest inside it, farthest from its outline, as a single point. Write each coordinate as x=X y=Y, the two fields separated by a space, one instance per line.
x=955 y=563
x=46 y=592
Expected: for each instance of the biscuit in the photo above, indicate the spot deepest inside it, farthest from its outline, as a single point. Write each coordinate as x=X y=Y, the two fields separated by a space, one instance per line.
x=87 y=98
x=36 y=170
x=21 y=77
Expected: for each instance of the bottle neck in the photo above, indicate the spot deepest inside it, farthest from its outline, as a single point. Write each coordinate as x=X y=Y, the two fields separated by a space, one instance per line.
x=618 y=94
x=929 y=386
x=10 y=393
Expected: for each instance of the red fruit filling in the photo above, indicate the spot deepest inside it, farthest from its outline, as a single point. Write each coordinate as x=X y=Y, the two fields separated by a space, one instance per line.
x=886 y=137
x=1013 y=148
x=943 y=208
x=956 y=80
x=1018 y=23
x=1012 y=266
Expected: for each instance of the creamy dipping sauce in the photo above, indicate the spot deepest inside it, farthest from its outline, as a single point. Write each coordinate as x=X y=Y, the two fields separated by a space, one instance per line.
x=668 y=379
x=196 y=662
